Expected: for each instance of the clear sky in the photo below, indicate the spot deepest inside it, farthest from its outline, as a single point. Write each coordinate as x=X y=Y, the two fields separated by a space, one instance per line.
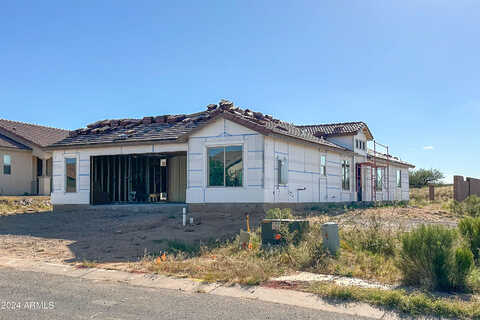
x=410 y=68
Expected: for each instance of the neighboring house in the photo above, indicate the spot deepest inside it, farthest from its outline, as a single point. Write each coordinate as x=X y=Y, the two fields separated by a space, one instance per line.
x=223 y=155
x=25 y=165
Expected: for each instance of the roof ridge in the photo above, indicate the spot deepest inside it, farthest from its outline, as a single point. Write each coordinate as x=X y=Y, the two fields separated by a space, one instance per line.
x=330 y=124
x=32 y=124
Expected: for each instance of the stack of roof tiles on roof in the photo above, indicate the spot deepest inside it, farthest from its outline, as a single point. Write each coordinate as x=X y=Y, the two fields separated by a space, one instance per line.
x=171 y=128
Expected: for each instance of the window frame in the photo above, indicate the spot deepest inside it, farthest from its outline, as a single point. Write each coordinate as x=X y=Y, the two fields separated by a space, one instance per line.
x=224 y=146
x=399 y=178
x=9 y=165
x=379 y=182
x=282 y=166
x=346 y=175
x=323 y=165
x=66 y=158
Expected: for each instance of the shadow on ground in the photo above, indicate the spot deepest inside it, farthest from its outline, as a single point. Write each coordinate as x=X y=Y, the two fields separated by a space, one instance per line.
x=108 y=235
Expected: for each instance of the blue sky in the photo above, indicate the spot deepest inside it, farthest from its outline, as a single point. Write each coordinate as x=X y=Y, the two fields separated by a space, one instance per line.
x=410 y=69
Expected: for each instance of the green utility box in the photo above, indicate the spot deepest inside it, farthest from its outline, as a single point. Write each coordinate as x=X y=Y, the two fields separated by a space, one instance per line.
x=273 y=229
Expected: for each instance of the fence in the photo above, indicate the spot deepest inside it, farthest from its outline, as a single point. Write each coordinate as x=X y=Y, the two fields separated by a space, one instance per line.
x=463 y=188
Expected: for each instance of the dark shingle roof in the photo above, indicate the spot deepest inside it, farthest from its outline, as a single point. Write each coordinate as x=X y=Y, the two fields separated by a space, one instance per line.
x=6 y=142
x=39 y=135
x=336 y=129
x=176 y=128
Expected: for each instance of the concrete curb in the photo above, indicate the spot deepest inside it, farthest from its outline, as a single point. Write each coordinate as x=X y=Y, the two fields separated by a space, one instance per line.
x=282 y=296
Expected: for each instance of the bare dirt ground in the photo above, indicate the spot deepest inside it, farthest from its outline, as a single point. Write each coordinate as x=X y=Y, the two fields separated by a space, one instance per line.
x=105 y=236
x=118 y=237
x=397 y=217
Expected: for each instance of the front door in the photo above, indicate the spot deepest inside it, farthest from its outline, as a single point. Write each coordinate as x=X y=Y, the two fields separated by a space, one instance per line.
x=359 y=182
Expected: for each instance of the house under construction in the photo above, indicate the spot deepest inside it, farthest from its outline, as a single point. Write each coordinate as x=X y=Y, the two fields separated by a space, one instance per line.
x=224 y=155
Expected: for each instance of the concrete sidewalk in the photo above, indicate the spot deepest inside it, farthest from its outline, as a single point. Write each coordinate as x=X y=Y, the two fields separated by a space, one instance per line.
x=282 y=296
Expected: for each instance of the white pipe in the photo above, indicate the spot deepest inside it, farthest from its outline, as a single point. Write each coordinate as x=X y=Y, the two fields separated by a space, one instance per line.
x=184 y=217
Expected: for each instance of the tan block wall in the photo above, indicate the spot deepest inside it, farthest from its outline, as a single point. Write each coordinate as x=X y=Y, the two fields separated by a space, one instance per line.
x=19 y=181
x=463 y=188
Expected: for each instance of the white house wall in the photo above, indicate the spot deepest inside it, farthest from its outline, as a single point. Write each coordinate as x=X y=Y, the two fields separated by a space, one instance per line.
x=344 y=141
x=392 y=193
x=82 y=196
x=224 y=133
x=305 y=182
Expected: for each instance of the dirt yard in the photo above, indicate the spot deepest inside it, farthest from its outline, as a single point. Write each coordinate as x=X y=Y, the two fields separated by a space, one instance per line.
x=117 y=237
x=105 y=236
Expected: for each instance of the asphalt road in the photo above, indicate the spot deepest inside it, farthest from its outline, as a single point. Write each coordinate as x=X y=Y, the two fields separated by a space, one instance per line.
x=32 y=295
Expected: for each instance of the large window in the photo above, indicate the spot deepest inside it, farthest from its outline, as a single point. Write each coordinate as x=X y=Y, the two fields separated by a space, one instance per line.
x=346 y=175
x=71 y=175
x=7 y=164
x=379 y=180
x=225 y=166
x=399 y=178
x=323 y=165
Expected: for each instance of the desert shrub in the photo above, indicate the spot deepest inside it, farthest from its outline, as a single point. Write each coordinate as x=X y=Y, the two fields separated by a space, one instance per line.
x=462 y=265
x=277 y=213
x=470 y=230
x=372 y=237
x=473 y=280
x=426 y=257
x=470 y=206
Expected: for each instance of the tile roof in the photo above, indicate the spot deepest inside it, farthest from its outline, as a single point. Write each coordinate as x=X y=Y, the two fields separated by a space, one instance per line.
x=336 y=129
x=6 y=142
x=39 y=135
x=176 y=128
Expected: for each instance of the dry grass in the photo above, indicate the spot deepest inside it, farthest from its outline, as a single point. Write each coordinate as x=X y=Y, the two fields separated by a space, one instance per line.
x=87 y=264
x=24 y=204
x=443 y=197
x=227 y=262
x=410 y=303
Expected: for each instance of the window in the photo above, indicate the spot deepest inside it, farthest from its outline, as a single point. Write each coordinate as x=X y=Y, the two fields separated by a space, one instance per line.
x=379 y=180
x=7 y=164
x=359 y=144
x=39 y=167
x=399 y=178
x=282 y=171
x=225 y=166
x=323 y=165
x=71 y=175
x=346 y=175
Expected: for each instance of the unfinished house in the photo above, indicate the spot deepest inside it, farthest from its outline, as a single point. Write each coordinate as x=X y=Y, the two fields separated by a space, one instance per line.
x=25 y=164
x=221 y=156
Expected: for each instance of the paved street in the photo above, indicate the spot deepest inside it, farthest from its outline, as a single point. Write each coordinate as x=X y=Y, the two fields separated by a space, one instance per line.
x=32 y=295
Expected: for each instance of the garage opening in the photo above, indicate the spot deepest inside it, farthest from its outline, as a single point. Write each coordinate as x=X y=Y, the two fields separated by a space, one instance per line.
x=138 y=178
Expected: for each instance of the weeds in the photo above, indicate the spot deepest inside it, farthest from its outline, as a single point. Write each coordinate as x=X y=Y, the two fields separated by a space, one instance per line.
x=278 y=213
x=414 y=304
x=372 y=237
x=469 y=207
x=470 y=230
x=88 y=264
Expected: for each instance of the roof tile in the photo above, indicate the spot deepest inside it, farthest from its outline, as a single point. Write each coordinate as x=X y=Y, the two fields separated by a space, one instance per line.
x=39 y=135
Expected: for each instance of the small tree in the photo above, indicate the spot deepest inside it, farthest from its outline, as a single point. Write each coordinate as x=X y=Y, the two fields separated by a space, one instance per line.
x=422 y=177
